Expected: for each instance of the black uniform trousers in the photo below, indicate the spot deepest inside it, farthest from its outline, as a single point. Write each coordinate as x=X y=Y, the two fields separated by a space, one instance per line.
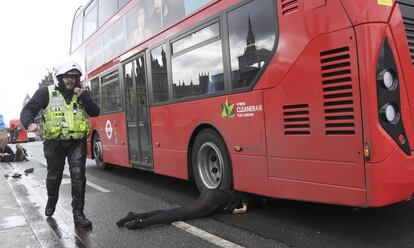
x=56 y=152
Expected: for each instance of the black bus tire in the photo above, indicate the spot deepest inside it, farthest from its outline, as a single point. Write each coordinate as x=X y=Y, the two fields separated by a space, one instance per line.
x=210 y=161
x=98 y=153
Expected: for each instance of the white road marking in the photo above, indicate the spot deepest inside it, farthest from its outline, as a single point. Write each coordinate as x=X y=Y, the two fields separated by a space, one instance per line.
x=97 y=187
x=205 y=235
x=65 y=181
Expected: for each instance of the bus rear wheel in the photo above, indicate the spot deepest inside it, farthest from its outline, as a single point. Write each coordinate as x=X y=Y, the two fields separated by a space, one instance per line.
x=98 y=154
x=211 y=163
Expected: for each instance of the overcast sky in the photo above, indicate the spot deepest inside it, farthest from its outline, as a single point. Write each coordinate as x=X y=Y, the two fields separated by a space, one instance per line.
x=35 y=37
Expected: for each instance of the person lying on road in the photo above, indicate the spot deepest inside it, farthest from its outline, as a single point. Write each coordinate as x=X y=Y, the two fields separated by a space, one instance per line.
x=209 y=202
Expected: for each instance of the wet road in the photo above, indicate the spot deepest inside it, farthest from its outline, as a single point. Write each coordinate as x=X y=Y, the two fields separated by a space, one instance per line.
x=111 y=194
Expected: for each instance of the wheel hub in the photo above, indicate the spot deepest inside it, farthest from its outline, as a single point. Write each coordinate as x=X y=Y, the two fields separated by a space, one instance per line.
x=97 y=150
x=210 y=165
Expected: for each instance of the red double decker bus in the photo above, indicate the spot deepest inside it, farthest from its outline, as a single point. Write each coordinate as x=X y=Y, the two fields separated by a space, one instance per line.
x=300 y=99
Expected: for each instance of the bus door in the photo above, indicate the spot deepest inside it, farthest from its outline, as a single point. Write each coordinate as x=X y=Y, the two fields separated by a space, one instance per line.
x=137 y=112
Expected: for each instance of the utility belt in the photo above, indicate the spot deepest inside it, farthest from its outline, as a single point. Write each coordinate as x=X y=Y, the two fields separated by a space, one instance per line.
x=61 y=137
x=58 y=131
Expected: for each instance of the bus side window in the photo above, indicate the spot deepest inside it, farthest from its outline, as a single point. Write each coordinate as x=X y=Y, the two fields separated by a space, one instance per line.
x=77 y=31
x=90 y=21
x=159 y=74
x=252 y=35
x=106 y=9
x=121 y=3
x=197 y=63
x=86 y=85
x=95 y=91
x=111 y=93
x=192 y=5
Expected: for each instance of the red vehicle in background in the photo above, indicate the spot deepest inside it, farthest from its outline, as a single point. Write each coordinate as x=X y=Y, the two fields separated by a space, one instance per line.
x=17 y=132
x=308 y=100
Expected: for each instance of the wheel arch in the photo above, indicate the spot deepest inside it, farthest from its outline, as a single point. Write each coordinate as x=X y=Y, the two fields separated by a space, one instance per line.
x=94 y=132
x=190 y=145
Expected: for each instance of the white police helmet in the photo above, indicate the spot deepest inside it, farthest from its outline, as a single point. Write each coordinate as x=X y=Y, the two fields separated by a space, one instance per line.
x=70 y=68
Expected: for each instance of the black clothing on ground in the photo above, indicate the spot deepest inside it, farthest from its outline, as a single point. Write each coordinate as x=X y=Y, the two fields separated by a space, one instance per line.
x=40 y=100
x=7 y=158
x=209 y=202
x=16 y=175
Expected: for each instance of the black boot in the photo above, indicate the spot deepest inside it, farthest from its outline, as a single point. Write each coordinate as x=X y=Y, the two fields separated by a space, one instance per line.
x=50 y=206
x=52 y=186
x=78 y=196
x=80 y=220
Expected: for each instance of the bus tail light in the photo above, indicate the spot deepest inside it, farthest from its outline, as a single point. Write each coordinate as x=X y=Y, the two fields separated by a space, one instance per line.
x=388 y=92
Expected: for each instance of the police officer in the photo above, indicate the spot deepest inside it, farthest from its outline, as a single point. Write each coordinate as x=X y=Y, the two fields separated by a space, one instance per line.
x=65 y=131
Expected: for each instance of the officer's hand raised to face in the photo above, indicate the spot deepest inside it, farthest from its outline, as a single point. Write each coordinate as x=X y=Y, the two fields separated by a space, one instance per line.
x=33 y=127
x=78 y=91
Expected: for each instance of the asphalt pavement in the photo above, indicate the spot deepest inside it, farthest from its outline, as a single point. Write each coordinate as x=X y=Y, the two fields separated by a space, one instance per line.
x=15 y=231
x=108 y=199
x=111 y=194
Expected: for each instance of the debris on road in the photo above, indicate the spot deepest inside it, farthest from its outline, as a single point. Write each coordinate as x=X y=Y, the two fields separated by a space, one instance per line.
x=27 y=171
x=16 y=175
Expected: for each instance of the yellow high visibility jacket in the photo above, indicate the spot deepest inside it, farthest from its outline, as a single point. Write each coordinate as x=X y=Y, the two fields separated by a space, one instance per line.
x=64 y=121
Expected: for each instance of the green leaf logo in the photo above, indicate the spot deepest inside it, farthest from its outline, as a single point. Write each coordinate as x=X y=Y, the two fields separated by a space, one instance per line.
x=227 y=110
